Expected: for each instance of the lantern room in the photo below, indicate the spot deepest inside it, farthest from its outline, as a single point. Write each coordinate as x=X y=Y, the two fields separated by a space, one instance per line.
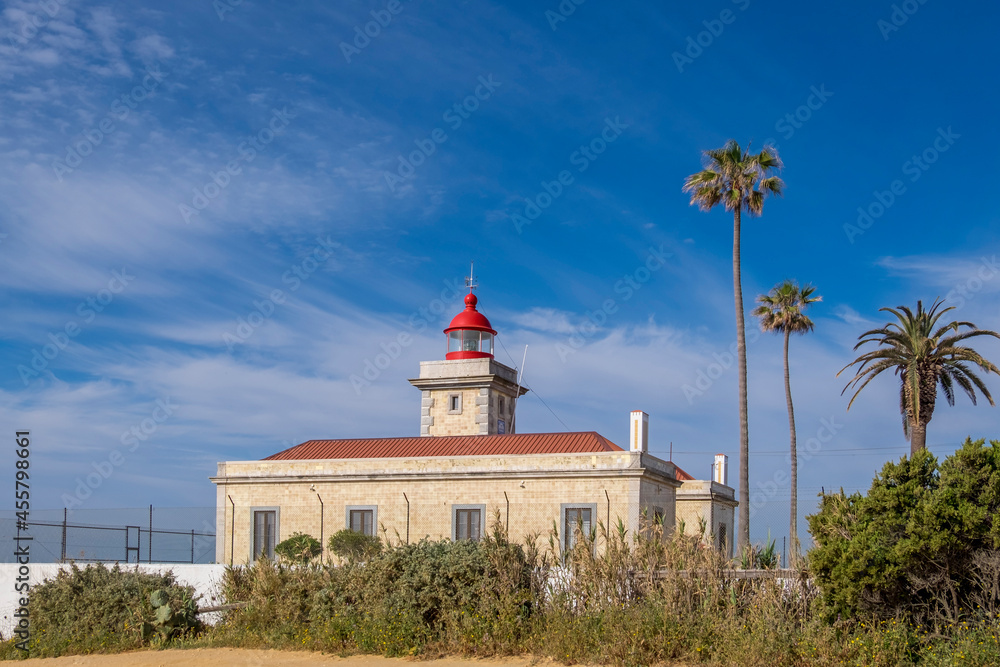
x=470 y=335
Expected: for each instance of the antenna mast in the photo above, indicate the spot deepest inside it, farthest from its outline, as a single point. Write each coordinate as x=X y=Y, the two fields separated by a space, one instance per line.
x=470 y=282
x=517 y=393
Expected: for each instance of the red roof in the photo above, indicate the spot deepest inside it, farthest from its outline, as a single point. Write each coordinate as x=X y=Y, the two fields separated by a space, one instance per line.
x=470 y=318
x=455 y=445
x=680 y=475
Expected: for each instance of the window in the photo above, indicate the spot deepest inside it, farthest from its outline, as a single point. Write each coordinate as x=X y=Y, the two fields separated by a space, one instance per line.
x=362 y=518
x=467 y=521
x=468 y=340
x=576 y=519
x=362 y=521
x=722 y=538
x=265 y=533
x=454 y=404
x=658 y=516
x=455 y=341
x=501 y=406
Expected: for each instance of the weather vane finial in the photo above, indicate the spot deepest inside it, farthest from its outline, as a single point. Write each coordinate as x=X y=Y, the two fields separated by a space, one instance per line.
x=470 y=281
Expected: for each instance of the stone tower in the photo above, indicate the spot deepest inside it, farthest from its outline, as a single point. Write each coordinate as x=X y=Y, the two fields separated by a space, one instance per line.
x=469 y=392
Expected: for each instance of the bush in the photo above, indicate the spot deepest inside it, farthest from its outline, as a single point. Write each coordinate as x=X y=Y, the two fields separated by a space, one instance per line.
x=923 y=544
x=299 y=548
x=99 y=610
x=353 y=546
x=278 y=602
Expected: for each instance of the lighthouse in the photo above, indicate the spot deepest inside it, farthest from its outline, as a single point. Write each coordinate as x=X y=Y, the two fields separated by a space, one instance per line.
x=468 y=392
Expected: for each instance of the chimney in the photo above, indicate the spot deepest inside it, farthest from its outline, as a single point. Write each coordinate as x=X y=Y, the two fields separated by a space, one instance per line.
x=720 y=469
x=639 y=432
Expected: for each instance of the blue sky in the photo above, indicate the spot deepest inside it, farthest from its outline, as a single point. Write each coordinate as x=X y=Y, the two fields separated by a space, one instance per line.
x=167 y=169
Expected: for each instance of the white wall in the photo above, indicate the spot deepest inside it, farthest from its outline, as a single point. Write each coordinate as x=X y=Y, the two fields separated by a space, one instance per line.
x=204 y=578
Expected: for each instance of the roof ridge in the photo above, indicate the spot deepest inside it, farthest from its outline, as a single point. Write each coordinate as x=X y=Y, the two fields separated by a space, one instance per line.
x=431 y=446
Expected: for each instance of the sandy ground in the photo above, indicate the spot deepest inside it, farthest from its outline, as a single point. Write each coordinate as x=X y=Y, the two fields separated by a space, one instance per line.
x=225 y=656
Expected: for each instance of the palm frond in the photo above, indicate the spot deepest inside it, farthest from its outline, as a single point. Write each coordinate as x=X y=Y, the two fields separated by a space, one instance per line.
x=922 y=354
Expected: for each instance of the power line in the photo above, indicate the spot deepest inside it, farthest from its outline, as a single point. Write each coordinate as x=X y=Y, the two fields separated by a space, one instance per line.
x=903 y=449
x=535 y=393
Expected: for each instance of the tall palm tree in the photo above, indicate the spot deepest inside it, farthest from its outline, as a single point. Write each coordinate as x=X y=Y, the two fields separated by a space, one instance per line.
x=739 y=181
x=781 y=311
x=923 y=357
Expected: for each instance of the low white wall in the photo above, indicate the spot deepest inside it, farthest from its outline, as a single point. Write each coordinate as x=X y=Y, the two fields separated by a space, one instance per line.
x=204 y=578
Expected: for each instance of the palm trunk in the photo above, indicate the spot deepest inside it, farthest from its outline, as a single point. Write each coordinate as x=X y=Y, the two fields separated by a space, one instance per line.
x=793 y=530
x=926 y=398
x=918 y=438
x=743 y=539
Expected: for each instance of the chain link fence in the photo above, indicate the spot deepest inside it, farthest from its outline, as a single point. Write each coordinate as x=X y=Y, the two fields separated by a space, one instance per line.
x=126 y=535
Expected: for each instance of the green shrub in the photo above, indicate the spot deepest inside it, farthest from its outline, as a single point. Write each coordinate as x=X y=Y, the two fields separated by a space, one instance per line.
x=99 y=610
x=353 y=546
x=299 y=548
x=278 y=602
x=922 y=544
x=173 y=617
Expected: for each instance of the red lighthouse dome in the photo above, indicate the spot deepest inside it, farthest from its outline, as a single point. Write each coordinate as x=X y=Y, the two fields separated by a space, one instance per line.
x=470 y=335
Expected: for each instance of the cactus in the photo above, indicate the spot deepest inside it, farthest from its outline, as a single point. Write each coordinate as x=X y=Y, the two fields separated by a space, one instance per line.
x=159 y=599
x=171 y=618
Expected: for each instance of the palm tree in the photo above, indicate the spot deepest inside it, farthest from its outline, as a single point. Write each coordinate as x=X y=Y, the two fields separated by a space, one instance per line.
x=781 y=311
x=923 y=357
x=739 y=181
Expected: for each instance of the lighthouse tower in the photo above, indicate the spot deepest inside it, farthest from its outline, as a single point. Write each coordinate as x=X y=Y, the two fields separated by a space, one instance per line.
x=469 y=392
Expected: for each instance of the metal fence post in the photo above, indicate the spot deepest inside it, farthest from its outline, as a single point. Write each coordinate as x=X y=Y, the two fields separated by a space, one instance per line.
x=62 y=558
x=407 y=518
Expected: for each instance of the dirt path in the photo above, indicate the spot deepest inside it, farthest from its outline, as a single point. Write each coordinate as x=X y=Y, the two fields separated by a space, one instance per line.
x=204 y=657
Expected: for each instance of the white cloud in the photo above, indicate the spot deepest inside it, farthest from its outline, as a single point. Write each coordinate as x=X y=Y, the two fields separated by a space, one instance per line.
x=547 y=320
x=153 y=48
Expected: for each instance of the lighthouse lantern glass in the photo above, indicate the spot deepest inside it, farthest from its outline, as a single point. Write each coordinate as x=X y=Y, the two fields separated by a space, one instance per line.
x=455 y=341
x=470 y=341
x=487 y=345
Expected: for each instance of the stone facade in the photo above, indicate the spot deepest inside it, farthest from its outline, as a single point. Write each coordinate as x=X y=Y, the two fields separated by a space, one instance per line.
x=485 y=392
x=415 y=498
x=713 y=502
